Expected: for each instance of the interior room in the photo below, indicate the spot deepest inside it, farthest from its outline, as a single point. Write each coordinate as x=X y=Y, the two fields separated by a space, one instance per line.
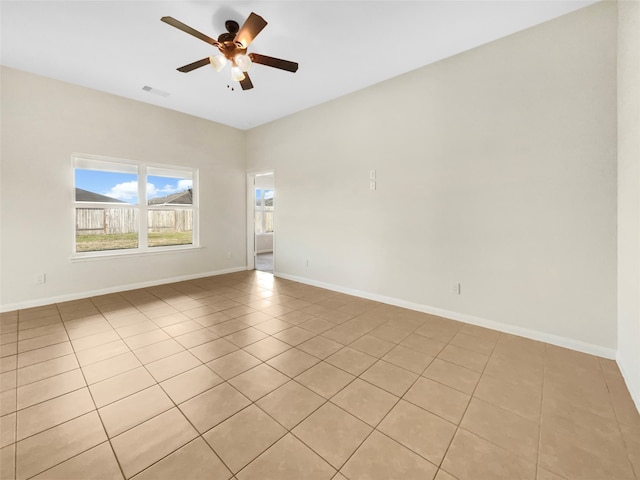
x=452 y=221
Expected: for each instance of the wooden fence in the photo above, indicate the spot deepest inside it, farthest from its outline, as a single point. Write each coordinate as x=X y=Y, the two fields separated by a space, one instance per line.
x=105 y=221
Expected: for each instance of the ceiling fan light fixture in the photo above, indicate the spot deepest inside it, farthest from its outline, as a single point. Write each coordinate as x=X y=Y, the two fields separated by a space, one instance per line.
x=243 y=62
x=233 y=47
x=218 y=62
x=237 y=74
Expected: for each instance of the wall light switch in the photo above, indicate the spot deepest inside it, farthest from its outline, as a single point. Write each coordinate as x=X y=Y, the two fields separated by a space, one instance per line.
x=372 y=185
x=372 y=174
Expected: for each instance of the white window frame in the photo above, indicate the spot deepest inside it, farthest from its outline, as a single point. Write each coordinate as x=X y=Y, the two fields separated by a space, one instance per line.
x=143 y=207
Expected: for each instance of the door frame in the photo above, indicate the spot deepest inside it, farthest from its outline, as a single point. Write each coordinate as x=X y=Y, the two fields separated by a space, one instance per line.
x=251 y=225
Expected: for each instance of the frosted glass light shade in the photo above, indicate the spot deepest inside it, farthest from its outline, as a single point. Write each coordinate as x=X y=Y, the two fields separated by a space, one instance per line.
x=243 y=62
x=218 y=62
x=236 y=74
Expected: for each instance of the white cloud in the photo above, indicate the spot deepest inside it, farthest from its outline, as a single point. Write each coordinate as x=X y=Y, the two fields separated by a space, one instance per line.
x=184 y=185
x=168 y=189
x=124 y=191
x=152 y=191
x=128 y=191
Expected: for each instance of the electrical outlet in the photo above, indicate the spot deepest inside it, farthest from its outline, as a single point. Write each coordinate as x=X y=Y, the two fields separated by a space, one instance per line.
x=372 y=185
x=40 y=278
x=455 y=288
x=372 y=174
x=229 y=255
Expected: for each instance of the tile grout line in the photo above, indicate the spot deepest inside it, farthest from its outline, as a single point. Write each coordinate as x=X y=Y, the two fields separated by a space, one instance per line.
x=290 y=379
x=155 y=416
x=254 y=403
x=400 y=398
x=69 y=420
x=175 y=405
x=615 y=413
x=471 y=396
x=375 y=428
x=15 y=427
x=544 y=381
x=95 y=408
x=288 y=431
x=199 y=435
x=109 y=438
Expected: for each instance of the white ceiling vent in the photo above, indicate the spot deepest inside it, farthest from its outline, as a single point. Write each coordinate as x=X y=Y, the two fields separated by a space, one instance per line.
x=155 y=91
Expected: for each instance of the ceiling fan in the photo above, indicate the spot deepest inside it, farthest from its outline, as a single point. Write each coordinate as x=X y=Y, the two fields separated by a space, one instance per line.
x=233 y=48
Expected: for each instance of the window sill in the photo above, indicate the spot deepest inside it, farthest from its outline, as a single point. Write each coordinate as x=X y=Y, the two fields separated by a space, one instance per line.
x=112 y=254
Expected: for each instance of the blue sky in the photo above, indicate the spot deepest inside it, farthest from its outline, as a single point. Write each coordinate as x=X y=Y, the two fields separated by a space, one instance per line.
x=124 y=186
x=267 y=194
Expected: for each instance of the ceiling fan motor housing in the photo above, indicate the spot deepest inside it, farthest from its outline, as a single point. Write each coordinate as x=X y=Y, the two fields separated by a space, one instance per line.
x=228 y=47
x=232 y=26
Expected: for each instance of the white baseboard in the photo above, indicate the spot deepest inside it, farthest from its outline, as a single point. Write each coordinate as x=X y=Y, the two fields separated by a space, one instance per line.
x=105 y=291
x=557 y=340
x=471 y=319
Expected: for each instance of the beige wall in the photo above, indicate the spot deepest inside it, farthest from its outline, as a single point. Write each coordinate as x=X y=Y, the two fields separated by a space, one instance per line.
x=43 y=122
x=496 y=168
x=629 y=194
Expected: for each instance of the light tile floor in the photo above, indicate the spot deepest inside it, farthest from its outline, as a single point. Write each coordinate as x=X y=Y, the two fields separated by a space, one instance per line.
x=246 y=376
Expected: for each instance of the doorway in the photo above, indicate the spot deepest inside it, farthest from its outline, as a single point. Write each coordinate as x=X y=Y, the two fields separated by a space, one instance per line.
x=261 y=245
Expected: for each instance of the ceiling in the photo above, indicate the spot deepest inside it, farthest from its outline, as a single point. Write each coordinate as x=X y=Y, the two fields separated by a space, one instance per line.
x=120 y=47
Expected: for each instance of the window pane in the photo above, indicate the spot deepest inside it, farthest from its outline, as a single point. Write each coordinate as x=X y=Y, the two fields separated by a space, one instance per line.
x=268 y=211
x=106 y=187
x=176 y=190
x=170 y=227
x=268 y=198
x=100 y=229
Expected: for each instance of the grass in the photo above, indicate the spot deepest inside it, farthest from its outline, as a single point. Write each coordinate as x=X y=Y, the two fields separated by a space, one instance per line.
x=96 y=243
x=172 y=238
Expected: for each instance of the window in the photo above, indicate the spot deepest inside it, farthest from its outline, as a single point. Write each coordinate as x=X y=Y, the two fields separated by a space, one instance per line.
x=109 y=212
x=264 y=210
x=169 y=207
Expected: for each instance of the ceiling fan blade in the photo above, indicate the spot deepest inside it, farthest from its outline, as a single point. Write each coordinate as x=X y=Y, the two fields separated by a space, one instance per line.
x=274 y=62
x=253 y=25
x=194 y=65
x=187 y=29
x=246 y=84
